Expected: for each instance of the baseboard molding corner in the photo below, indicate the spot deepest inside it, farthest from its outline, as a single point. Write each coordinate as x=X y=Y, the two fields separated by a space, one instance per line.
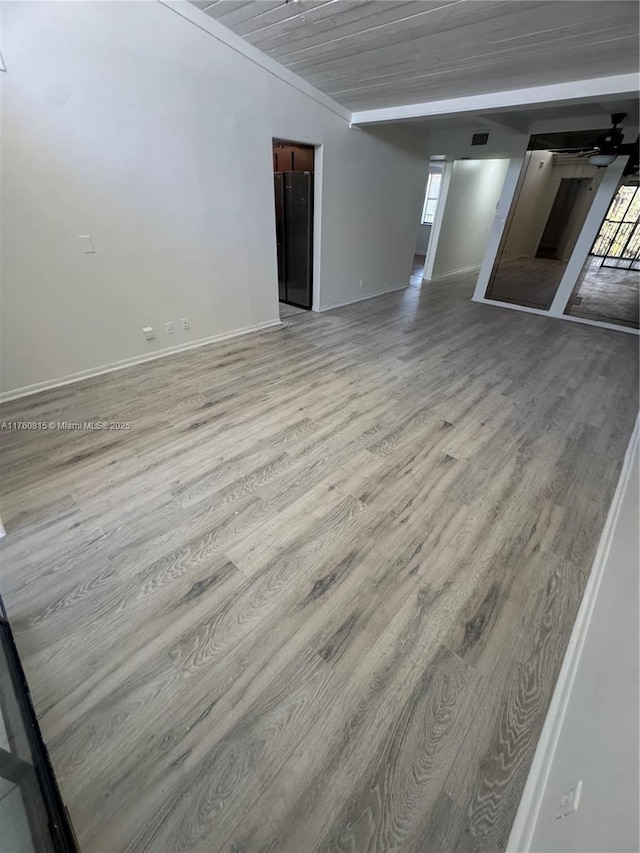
x=446 y=275
x=80 y=376
x=526 y=819
x=331 y=305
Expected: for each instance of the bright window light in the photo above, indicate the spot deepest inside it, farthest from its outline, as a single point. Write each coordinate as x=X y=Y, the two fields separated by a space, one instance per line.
x=431 y=198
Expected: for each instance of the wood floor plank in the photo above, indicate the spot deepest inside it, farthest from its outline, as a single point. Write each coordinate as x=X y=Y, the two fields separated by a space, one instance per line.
x=406 y=777
x=317 y=597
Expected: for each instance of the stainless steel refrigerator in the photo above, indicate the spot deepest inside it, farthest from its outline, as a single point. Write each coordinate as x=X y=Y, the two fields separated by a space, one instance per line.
x=294 y=235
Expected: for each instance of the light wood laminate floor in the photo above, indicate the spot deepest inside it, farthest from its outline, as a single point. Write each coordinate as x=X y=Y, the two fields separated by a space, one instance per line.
x=317 y=597
x=608 y=294
x=417 y=269
x=527 y=281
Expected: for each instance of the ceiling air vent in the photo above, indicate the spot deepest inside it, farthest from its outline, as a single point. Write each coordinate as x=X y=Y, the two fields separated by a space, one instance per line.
x=479 y=138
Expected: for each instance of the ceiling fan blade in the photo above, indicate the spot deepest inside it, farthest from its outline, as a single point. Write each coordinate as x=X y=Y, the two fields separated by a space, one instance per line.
x=578 y=152
x=567 y=150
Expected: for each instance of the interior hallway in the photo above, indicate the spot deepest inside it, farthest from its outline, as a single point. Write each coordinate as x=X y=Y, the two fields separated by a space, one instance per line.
x=317 y=597
x=608 y=294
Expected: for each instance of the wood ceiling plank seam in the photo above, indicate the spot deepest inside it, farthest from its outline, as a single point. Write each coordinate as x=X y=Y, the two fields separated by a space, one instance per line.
x=363 y=83
x=420 y=93
x=411 y=83
x=560 y=33
x=204 y=4
x=354 y=75
x=243 y=11
x=303 y=48
x=349 y=52
x=228 y=6
x=458 y=71
x=395 y=27
x=398 y=30
x=391 y=12
x=370 y=72
x=281 y=16
x=382 y=59
x=408 y=23
x=415 y=92
x=318 y=27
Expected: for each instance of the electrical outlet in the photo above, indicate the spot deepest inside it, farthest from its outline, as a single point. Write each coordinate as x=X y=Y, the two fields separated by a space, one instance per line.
x=87 y=244
x=169 y=327
x=570 y=801
x=184 y=322
x=149 y=333
x=361 y=283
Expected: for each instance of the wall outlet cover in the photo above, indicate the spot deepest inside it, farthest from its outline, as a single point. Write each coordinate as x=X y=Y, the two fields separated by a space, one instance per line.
x=148 y=333
x=569 y=801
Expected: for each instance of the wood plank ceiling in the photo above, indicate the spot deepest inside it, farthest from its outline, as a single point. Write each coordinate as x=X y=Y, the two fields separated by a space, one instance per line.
x=375 y=53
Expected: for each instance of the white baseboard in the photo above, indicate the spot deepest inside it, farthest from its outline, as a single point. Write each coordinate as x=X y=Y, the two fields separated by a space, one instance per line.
x=332 y=305
x=48 y=384
x=445 y=275
x=532 y=796
x=599 y=324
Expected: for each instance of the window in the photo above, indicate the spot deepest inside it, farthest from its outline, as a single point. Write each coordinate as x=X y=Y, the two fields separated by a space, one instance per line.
x=618 y=241
x=431 y=198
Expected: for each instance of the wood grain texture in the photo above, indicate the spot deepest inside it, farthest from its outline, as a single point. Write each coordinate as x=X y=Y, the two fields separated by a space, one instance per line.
x=316 y=599
x=607 y=294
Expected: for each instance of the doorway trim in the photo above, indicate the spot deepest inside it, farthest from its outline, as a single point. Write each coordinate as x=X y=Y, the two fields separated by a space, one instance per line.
x=316 y=250
x=434 y=237
x=298 y=143
x=317 y=226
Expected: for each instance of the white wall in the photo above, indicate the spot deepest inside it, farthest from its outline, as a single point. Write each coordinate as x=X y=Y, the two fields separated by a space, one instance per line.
x=467 y=212
x=422 y=240
x=455 y=143
x=530 y=214
x=129 y=123
x=598 y=738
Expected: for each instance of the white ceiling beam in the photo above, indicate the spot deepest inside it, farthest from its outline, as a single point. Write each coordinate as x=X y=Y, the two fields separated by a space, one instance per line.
x=623 y=85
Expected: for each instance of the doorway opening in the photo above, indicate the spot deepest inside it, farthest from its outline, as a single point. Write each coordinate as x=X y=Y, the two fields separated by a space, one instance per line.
x=608 y=287
x=293 y=174
x=429 y=207
x=553 y=196
x=465 y=213
x=557 y=231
